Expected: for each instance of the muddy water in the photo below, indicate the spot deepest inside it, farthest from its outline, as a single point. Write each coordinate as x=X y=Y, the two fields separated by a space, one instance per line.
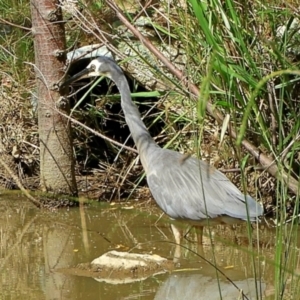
x=36 y=245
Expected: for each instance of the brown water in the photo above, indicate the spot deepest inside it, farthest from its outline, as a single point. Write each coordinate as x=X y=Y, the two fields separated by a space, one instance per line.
x=35 y=244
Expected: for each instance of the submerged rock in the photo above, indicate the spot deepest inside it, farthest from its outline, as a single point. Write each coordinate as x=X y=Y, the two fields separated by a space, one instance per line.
x=122 y=267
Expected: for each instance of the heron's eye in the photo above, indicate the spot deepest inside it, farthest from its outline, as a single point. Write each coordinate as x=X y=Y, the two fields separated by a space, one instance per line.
x=93 y=67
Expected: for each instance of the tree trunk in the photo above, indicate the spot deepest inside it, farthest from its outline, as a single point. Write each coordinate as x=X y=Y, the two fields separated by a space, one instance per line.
x=56 y=154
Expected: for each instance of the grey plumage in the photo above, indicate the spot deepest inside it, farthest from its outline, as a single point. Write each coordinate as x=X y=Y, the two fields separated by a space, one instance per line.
x=183 y=187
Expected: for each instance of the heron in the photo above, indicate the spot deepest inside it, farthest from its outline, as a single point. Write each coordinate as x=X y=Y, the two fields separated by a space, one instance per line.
x=184 y=187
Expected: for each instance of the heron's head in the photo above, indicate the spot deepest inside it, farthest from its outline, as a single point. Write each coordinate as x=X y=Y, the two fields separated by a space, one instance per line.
x=100 y=66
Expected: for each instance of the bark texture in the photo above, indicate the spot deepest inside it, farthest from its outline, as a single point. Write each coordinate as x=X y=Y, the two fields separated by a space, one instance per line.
x=56 y=154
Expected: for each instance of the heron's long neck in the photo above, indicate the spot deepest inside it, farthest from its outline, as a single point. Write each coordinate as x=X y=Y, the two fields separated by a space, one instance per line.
x=139 y=132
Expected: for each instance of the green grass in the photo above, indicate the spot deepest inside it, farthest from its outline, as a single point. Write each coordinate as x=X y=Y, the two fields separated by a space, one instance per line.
x=16 y=43
x=254 y=69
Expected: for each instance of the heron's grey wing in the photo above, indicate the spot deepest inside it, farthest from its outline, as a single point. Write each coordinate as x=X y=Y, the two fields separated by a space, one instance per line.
x=180 y=194
x=236 y=204
x=191 y=189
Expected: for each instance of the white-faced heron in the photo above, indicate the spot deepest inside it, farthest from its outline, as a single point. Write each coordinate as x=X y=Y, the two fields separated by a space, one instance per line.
x=184 y=187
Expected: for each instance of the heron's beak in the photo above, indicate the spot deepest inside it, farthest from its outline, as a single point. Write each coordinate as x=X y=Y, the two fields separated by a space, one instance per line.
x=83 y=74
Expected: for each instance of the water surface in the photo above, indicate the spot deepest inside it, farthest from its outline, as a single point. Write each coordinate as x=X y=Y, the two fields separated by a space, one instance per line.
x=36 y=244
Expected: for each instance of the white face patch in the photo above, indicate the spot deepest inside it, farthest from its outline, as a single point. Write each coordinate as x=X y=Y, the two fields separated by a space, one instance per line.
x=96 y=65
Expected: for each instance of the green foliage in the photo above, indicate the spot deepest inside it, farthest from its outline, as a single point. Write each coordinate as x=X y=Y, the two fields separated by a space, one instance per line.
x=255 y=79
x=15 y=11
x=243 y=58
x=16 y=42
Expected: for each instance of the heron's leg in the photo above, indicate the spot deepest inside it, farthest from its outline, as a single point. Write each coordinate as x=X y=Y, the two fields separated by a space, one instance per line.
x=199 y=230
x=176 y=233
x=177 y=236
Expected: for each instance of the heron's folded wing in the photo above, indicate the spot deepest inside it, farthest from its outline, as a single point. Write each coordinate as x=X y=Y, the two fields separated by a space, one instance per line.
x=181 y=197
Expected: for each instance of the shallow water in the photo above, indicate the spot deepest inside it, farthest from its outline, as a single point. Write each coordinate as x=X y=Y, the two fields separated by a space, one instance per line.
x=37 y=244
